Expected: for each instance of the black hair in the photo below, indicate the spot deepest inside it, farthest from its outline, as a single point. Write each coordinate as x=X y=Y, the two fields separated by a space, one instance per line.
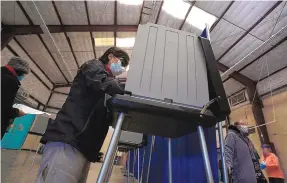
x=117 y=52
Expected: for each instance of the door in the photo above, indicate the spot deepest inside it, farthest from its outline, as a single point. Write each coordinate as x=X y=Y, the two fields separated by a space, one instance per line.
x=17 y=132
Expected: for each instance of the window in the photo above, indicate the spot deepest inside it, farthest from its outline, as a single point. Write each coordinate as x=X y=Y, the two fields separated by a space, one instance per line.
x=237 y=99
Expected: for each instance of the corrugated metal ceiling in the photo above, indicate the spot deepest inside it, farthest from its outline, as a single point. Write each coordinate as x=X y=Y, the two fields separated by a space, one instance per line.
x=65 y=50
x=272 y=23
x=173 y=13
x=213 y=7
x=266 y=65
x=34 y=87
x=40 y=55
x=81 y=41
x=47 y=11
x=129 y=13
x=5 y=56
x=72 y=12
x=83 y=57
x=245 y=13
x=151 y=11
x=11 y=14
x=57 y=100
x=275 y=81
x=223 y=36
x=14 y=45
x=245 y=46
x=101 y=12
x=63 y=89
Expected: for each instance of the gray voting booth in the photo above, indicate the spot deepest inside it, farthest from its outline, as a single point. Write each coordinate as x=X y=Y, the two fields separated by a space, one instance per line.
x=174 y=89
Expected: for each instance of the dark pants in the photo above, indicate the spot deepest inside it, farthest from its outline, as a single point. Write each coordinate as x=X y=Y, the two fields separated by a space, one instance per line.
x=276 y=180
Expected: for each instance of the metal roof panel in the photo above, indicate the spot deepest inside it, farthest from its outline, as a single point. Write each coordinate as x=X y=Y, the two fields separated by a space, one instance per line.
x=40 y=55
x=275 y=81
x=245 y=46
x=81 y=41
x=232 y=86
x=272 y=61
x=213 y=7
x=12 y=14
x=245 y=13
x=101 y=12
x=46 y=9
x=33 y=66
x=271 y=24
x=223 y=36
x=34 y=87
x=128 y=14
x=72 y=12
x=57 y=100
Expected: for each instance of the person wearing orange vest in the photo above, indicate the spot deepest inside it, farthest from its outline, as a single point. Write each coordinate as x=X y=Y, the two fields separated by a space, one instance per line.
x=270 y=161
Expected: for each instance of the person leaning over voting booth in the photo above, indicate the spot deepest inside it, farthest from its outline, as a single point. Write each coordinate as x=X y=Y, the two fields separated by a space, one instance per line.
x=75 y=137
x=11 y=75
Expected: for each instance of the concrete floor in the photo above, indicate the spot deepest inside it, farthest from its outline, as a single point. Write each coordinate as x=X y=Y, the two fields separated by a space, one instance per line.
x=15 y=168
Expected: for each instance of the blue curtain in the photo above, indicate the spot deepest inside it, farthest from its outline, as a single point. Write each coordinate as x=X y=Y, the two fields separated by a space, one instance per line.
x=187 y=159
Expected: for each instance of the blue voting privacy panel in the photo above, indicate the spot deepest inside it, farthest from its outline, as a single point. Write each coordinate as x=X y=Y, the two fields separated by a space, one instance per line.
x=16 y=135
x=187 y=159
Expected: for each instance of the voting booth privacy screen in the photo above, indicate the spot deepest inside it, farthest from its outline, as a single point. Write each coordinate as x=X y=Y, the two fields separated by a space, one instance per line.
x=170 y=64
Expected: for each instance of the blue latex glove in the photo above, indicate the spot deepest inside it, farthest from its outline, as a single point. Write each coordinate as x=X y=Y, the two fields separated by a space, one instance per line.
x=262 y=165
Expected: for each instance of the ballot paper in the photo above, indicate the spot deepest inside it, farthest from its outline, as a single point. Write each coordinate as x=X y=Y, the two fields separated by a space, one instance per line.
x=29 y=110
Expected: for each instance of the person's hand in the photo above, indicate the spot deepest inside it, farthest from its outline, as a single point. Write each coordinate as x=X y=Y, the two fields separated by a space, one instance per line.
x=21 y=113
x=262 y=165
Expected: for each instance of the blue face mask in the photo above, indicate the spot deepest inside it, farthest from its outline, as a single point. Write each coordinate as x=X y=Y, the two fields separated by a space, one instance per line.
x=116 y=68
x=20 y=78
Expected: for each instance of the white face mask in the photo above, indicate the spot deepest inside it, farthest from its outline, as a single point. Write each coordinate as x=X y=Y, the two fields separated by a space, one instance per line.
x=243 y=129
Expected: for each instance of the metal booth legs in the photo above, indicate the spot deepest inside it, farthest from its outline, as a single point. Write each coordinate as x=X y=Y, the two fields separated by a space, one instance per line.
x=138 y=164
x=111 y=150
x=150 y=156
x=111 y=167
x=202 y=140
x=128 y=167
x=169 y=161
x=205 y=155
x=141 y=177
x=224 y=168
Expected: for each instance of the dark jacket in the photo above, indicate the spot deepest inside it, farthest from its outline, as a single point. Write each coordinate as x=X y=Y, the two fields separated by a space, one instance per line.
x=238 y=156
x=82 y=121
x=9 y=87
